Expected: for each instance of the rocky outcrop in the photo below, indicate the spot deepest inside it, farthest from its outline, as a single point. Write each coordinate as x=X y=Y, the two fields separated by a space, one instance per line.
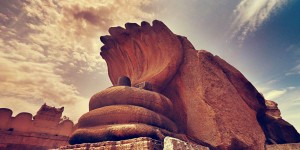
x=277 y=130
x=272 y=109
x=176 y=91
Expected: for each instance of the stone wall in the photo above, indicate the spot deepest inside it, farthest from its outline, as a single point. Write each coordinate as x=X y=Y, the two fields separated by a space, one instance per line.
x=24 y=122
x=12 y=140
x=43 y=131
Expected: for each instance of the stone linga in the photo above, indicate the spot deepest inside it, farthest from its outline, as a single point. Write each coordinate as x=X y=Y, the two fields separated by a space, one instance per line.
x=162 y=87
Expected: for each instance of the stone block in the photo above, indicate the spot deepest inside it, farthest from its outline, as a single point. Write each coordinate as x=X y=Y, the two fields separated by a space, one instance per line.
x=176 y=144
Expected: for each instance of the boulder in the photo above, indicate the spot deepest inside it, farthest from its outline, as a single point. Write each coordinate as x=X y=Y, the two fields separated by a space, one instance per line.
x=212 y=108
x=277 y=130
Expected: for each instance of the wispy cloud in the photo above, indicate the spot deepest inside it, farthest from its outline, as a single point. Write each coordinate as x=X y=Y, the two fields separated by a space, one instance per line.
x=47 y=47
x=250 y=14
x=274 y=94
x=294 y=71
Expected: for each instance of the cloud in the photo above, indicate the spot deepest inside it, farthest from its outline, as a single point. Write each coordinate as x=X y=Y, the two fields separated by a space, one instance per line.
x=48 y=48
x=272 y=81
x=249 y=15
x=273 y=94
x=31 y=84
x=294 y=71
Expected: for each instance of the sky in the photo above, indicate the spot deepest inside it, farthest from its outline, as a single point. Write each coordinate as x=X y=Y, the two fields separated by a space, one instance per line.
x=49 y=49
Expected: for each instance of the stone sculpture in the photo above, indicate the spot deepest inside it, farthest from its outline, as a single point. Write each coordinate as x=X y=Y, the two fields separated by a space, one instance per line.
x=123 y=112
x=162 y=87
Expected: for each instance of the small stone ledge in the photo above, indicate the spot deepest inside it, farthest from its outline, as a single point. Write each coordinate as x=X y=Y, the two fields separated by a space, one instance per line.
x=290 y=146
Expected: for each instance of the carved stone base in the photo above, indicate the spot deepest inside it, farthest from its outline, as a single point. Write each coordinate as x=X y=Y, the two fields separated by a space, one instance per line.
x=142 y=143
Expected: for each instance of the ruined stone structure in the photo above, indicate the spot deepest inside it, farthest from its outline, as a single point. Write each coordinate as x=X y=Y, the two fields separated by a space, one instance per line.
x=162 y=87
x=43 y=131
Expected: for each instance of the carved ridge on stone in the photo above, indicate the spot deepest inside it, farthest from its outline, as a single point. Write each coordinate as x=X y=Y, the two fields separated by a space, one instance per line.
x=120 y=114
x=143 y=53
x=147 y=99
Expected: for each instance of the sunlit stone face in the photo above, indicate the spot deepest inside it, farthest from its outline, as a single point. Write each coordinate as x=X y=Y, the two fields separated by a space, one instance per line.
x=122 y=112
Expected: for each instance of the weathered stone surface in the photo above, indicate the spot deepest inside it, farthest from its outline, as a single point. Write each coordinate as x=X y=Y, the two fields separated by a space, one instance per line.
x=245 y=89
x=171 y=143
x=14 y=140
x=212 y=108
x=43 y=131
x=278 y=131
x=141 y=143
x=143 y=53
x=272 y=109
x=291 y=146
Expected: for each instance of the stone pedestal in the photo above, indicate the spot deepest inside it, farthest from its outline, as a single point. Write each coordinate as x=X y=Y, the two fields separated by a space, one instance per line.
x=142 y=143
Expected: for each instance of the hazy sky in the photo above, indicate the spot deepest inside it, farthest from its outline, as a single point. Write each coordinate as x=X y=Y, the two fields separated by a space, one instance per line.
x=49 y=49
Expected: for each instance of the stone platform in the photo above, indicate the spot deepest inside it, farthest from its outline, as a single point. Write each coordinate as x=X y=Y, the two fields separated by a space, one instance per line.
x=142 y=143
x=169 y=143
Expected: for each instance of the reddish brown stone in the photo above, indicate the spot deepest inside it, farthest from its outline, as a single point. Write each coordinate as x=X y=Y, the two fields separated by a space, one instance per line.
x=46 y=130
x=141 y=143
x=143 y=53
x=122 y=95
x=122 y=112
x=272 y=109
x=210 y=102
x=277 y=130
x=212 y=108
